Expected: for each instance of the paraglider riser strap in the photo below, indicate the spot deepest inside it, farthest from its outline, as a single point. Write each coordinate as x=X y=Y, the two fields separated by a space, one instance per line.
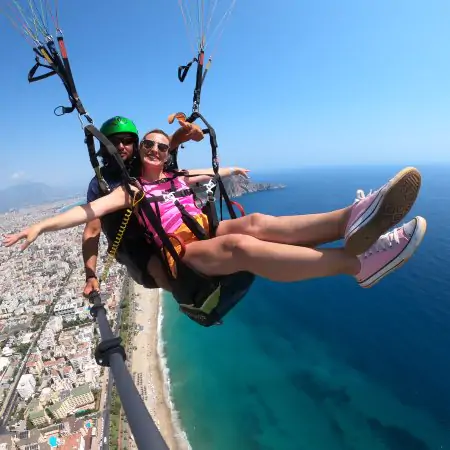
x=58 y=65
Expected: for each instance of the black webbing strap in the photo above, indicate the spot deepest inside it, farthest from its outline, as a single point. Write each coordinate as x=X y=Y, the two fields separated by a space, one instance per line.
x=146 y=212
x=181 y=193
x=89 y=141
x=224 y=194
x=166 y=197
x=66 y=78
x=190 y=222
x=32 y=78
x=68 y=71
x=173 y=195
x=198 y=81
x=151 y=216
x=215 y=165
x=210 y=211
x=183 y=70
x=61 y=67
x=112 y=150
x=42 y=52
x=212 y=138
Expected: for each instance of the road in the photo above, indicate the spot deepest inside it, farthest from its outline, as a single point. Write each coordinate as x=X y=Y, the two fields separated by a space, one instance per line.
x=104 y=444
x=8 y=405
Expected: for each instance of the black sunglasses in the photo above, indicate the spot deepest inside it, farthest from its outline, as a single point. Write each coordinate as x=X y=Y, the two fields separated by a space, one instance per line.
x=148 y=144
x=124 y=140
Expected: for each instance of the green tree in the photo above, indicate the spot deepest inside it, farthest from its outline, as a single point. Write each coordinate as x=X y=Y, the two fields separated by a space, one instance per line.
x=30 y=425
x=21 y=414
x=49 y=413
x=23 y=348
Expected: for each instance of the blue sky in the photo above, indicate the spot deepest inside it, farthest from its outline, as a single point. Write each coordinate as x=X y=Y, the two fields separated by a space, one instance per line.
x=292 y=83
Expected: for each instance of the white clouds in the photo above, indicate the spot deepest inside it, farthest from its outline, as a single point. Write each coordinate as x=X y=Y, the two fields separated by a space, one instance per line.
x=18 y=175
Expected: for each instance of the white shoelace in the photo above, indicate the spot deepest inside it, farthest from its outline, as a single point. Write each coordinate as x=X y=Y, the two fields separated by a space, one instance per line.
x=384 y=242
x=360 y=195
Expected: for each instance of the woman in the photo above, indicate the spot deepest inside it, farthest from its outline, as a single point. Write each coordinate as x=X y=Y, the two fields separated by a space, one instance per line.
x=277 y=248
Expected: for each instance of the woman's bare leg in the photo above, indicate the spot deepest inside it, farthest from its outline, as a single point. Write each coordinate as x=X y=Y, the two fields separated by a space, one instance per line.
x=308 y=230
x=278 y=262
x=361 y=224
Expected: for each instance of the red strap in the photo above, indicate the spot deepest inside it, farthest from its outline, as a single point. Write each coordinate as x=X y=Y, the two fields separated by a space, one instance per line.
x=239 y=206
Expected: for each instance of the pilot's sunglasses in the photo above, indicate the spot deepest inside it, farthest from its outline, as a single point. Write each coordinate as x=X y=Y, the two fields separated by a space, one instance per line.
x=126 y=140
x=148 y=144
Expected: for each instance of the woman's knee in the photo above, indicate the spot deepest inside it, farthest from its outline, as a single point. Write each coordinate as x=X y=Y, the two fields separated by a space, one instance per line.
x=239 y=245
x=257 y=223
x=252 y=224
x=223 y=255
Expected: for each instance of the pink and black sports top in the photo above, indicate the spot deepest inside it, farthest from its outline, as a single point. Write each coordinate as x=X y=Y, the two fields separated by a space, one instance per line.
x=165 y=208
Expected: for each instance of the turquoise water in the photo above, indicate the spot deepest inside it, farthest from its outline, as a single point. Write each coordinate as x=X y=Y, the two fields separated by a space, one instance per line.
x=67 y=207
x=324 y=364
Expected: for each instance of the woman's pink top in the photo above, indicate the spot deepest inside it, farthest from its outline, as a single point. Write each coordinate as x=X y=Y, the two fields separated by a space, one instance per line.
x=170 y=215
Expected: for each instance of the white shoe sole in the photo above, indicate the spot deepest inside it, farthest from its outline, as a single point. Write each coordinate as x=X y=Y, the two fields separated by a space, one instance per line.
x=390 y=206
x=408 y=251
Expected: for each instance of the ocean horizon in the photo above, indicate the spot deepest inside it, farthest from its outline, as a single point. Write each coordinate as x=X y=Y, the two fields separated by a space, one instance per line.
x=323 y=364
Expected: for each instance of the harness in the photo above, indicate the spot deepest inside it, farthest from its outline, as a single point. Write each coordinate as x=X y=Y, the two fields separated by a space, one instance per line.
x=204 y=299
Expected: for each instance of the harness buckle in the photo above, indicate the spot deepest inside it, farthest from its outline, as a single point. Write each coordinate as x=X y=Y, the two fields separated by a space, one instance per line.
x=169 y=197
x=210 y=186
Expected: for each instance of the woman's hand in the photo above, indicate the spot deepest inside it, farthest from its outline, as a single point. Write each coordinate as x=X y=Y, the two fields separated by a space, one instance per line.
x=192 y=132
x=240 y=171
x=29 y=234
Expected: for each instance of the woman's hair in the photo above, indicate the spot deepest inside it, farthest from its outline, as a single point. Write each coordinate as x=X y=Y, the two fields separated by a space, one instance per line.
x=157 y=131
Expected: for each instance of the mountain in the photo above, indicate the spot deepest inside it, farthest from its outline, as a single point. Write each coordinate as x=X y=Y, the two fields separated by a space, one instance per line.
x=33 y=193
x=237 y=185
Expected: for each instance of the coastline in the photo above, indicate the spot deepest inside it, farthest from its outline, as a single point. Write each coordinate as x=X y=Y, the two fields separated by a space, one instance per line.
x=80 y=201
x=149 y=368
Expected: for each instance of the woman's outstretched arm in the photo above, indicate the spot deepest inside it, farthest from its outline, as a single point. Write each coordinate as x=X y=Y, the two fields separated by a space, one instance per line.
x=118 y=199
x=201 y=175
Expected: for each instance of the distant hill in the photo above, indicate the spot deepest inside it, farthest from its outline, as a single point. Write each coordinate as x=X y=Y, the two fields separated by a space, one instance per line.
x=33 y=193
x=238 y=185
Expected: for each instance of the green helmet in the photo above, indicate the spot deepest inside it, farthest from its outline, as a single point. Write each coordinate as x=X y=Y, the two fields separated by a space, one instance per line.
x=119 y=124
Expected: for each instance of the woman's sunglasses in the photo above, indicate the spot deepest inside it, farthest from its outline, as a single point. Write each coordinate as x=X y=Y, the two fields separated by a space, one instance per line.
x=148 y=144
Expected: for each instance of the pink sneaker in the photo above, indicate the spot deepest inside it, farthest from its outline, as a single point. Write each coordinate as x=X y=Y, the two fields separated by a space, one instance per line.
x=375 y=214
x=390 y=251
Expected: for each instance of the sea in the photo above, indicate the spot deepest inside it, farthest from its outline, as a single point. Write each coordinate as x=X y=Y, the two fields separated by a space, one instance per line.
x=324 y=364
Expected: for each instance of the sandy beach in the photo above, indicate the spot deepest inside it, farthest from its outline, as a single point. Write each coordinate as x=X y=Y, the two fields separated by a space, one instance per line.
x=146 y=366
